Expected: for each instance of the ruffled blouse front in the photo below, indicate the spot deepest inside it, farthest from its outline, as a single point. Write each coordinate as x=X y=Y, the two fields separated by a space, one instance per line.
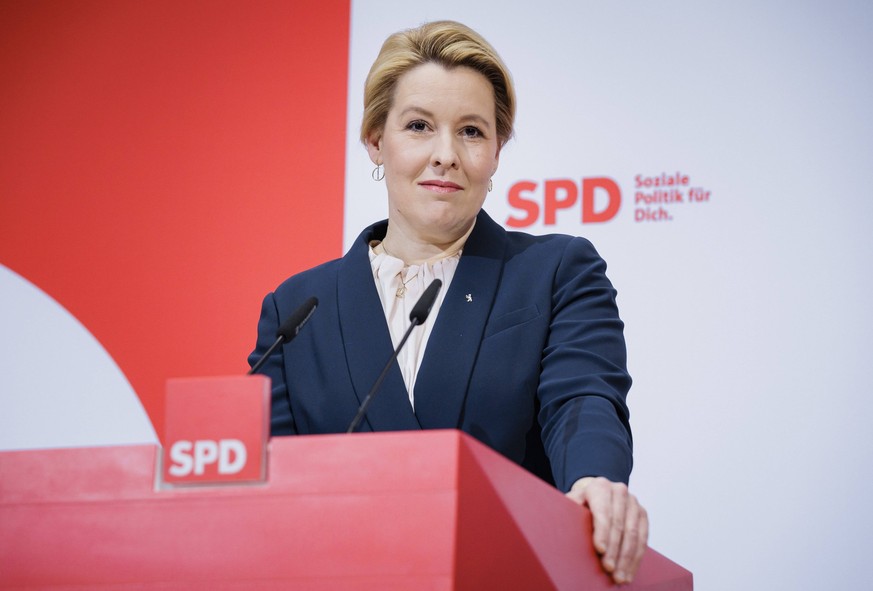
x=399 y=286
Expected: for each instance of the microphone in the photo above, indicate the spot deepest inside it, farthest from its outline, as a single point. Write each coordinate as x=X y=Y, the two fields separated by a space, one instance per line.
x=288 y=330
x=418 y=315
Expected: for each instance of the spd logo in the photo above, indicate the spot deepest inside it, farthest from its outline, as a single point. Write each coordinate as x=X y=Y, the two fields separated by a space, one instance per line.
x=187 y=457
x=597 y=200
x=216 y=430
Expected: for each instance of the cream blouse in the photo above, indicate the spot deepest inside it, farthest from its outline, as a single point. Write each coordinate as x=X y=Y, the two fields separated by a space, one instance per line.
x=399 y=288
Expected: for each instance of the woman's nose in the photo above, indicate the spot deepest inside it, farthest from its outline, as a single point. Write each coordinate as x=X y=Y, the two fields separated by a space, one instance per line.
x=445 y=153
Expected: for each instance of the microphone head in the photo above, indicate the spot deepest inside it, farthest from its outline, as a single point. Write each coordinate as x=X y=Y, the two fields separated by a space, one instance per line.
x=422 y=307
x=292 y=325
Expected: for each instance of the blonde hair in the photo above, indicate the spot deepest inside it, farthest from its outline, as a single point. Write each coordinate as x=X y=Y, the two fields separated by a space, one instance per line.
x=448 y=44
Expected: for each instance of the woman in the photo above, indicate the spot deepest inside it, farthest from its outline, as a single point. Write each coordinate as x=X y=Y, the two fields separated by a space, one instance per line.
x=524 y=347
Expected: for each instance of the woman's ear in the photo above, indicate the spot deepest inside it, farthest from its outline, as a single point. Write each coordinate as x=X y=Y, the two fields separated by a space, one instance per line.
x=374 y=148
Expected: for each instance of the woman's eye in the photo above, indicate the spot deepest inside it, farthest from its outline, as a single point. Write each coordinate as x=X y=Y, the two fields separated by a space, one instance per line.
x=417 y=126
x=471 y=131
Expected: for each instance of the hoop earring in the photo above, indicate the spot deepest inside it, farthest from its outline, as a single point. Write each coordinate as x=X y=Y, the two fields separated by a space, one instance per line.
x=378 y=173
x=490 y=184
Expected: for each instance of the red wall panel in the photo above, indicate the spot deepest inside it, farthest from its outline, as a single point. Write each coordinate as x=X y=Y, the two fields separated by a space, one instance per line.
x=164 y=164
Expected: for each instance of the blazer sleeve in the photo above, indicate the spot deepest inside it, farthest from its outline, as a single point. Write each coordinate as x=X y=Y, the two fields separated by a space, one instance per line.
x=584 y=380
x=281 y=419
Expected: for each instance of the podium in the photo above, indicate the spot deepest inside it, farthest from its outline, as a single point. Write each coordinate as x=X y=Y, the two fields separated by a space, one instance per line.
x=431 y=510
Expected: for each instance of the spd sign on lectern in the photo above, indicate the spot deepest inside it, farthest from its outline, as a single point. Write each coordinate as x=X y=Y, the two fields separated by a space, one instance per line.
x=216 y=430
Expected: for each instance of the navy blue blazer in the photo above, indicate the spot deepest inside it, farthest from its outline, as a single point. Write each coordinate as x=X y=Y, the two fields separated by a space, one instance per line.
x=534 y=366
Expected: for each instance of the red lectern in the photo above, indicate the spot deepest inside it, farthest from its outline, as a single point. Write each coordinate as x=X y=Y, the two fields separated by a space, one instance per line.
x=427 y=510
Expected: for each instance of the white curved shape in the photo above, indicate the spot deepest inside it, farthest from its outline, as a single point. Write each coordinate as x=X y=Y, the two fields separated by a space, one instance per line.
x=58 y=385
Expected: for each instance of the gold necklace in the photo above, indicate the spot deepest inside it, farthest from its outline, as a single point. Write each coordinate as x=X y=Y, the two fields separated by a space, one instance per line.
x=401 y=291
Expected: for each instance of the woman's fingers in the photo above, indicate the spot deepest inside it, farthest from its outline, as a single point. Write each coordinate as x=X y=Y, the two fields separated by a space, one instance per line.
x=621 y=524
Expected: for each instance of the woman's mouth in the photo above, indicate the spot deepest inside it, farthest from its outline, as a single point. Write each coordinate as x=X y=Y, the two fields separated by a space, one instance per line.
x=440 y=186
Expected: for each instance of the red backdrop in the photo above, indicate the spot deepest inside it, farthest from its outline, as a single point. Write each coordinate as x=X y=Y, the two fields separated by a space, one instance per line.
x=164 y=164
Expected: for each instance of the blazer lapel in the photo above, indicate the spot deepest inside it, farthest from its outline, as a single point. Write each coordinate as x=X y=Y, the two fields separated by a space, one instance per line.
x=441 y=384
x=367 y=341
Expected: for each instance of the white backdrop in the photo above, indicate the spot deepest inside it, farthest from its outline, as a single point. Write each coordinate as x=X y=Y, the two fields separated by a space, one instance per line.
x=747 y=317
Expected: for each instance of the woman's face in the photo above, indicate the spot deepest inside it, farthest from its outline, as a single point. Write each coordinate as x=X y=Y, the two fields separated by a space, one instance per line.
x=440 y=149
